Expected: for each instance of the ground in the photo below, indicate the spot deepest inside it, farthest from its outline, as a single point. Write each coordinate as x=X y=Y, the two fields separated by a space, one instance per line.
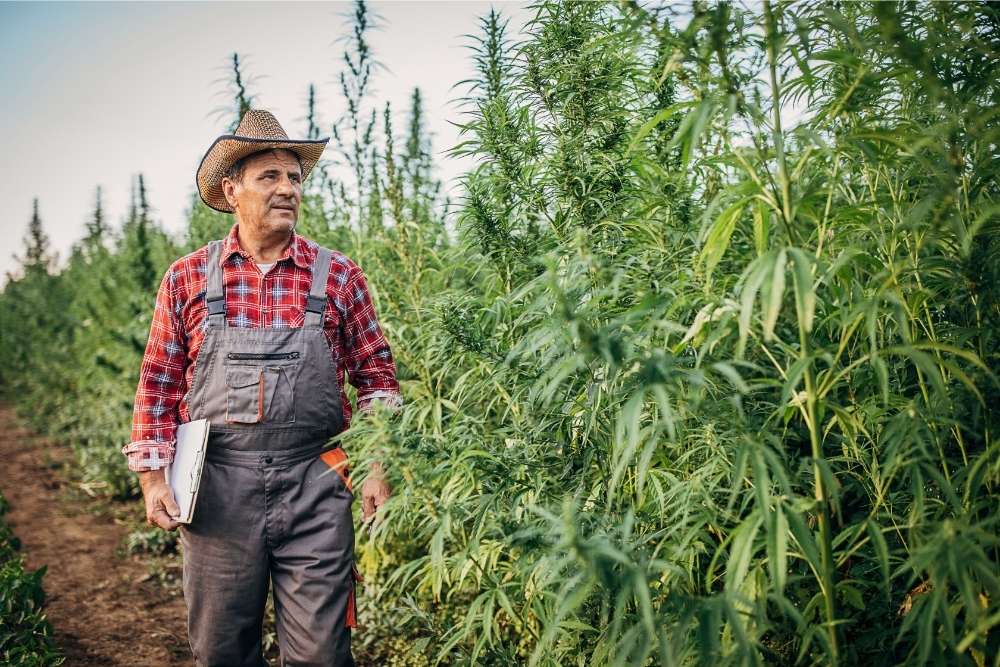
x=105 y=606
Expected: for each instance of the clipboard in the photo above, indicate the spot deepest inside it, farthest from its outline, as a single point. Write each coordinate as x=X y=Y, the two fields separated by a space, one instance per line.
x=183 y=474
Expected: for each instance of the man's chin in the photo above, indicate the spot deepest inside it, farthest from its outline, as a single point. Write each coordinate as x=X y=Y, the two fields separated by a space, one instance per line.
x=282 y=223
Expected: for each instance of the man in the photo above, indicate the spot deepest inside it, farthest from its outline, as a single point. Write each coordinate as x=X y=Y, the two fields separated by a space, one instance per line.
x=255 y=333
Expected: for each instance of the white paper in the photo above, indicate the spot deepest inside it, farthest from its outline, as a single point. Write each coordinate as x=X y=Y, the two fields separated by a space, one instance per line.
x=184 y=472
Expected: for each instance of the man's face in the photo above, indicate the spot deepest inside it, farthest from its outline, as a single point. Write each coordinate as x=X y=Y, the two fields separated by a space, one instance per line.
x=267 y=200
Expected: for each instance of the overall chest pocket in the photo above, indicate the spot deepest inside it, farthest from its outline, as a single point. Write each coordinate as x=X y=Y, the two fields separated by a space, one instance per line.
x=261 y=393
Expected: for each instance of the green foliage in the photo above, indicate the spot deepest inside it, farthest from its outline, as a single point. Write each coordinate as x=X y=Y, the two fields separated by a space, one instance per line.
x=83 y=330
x=705 y=374
x=25 y=633
x=704 y=387
x=154 y=541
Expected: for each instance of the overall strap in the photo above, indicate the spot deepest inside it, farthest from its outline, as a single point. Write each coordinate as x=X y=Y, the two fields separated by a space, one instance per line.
x=214 y=297
x=316 y=301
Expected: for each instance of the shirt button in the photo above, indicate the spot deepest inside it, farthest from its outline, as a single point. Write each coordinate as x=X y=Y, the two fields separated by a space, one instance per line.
x=267 y=459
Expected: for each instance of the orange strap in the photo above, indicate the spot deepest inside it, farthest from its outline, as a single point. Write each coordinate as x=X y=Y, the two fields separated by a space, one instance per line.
x=337 y=459
x=352 y=602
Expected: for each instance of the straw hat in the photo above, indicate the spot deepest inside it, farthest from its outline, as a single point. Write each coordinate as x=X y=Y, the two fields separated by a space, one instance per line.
x=258 y=130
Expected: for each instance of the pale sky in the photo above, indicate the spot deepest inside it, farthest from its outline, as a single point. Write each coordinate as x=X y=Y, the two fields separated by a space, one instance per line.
x=94 y=93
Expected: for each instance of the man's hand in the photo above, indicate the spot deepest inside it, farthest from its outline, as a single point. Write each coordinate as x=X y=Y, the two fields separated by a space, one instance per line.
x=161 y=508
x=374 y=492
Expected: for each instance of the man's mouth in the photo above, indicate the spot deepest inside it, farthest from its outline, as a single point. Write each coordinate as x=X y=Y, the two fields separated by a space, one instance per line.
x=286 y=208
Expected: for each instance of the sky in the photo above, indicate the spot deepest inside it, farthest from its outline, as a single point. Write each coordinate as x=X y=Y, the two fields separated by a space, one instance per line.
x=95 y=93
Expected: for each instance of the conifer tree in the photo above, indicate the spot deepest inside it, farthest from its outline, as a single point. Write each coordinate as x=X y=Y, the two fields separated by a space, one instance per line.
x=96 y=227
x=145 y=270
x=37 y=247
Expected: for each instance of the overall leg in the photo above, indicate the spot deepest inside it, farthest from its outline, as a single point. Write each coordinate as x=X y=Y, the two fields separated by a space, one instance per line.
x=311 y=567
x=225 y=574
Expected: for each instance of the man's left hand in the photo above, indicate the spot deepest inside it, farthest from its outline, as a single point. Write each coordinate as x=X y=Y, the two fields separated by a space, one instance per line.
x=374 y=492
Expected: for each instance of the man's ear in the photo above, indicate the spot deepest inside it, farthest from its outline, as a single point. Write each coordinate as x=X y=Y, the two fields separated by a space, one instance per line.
x=229 y=190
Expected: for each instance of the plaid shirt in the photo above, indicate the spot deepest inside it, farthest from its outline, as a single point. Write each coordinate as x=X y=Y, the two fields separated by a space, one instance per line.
x=252 y=300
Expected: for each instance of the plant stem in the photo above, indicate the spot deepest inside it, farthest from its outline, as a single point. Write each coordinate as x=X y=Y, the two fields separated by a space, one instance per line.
x=770 y=26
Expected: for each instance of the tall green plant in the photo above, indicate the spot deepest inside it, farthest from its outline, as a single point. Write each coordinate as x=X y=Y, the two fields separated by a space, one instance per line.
x=714 y=383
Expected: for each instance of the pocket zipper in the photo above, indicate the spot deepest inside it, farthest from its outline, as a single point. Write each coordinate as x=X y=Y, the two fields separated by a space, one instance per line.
x=263 y=355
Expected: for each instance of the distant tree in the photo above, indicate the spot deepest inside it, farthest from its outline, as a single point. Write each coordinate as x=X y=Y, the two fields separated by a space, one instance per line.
x=317 y=183
x=360 y=64
x=422 y=190
x=96 y=227
x=138 y=225
x=238 y=86
x=37 y=247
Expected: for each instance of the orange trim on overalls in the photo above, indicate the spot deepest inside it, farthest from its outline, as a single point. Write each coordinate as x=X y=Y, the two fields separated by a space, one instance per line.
x=337 y=459
x=352 y=603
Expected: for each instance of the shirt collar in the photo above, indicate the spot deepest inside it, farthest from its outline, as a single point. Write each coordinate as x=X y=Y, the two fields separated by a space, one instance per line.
x=298 y=249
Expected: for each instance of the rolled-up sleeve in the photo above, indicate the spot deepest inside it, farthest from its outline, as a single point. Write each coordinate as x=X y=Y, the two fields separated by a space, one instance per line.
x=161 y=377
x=370 y=365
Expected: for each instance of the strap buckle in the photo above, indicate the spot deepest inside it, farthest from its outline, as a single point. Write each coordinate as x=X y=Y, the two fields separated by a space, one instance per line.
x=316 y=304
x=216 y=305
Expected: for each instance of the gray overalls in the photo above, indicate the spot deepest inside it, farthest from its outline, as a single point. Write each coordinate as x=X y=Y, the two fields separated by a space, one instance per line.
x=268 y=505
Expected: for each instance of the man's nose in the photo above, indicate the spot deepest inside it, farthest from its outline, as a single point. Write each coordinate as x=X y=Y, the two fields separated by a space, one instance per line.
x=285 y=186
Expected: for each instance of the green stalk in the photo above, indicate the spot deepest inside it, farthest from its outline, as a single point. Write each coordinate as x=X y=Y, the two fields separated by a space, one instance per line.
x=827 y=581
x=777 y=136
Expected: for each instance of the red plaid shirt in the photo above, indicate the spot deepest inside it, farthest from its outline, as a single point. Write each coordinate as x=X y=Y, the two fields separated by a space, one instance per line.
x=252 y=300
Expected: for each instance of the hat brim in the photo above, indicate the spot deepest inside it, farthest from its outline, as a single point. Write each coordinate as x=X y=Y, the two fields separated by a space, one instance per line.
x=229 y=148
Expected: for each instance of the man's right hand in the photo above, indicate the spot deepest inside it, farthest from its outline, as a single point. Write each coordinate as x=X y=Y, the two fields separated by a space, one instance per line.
x=161 y=508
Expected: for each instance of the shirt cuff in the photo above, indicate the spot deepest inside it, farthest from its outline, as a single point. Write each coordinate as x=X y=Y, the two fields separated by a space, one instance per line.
x=391 y=399
x=146 y=455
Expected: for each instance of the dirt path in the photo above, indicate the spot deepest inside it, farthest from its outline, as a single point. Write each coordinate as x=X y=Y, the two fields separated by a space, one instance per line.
x=105 y=608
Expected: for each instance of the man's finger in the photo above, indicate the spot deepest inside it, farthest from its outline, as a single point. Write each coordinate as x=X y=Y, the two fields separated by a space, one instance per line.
x=163 y=520
x=173 y=509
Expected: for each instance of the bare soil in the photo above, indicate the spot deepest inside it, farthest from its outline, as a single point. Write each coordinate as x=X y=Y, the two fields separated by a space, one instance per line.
x=106 y=608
